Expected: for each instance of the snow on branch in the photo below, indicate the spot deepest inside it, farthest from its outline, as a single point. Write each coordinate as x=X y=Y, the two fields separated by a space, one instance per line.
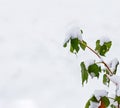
x=100 y=93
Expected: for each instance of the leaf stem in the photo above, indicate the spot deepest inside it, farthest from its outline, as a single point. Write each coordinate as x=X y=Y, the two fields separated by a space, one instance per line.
x=110 y=72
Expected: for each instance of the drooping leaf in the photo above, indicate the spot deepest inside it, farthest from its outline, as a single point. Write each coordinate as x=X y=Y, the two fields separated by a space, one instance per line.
x=93 y=99
x=87 y=104
x=94 y=69
x=103 y=49
x=74 y=45
x=106 y=101
x=114 y=72
x=84 y=73
x=83 y=44
x=106 y=81
x=65 y=44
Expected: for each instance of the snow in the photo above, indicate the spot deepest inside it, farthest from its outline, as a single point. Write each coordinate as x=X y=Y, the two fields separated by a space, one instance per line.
x=73 y=32
x=89 y=62
x=104 y=40
x=94 y=104
x=33 y=63
x=116 y=80
x=100 y=93
x=92 y=75
x=113 y=63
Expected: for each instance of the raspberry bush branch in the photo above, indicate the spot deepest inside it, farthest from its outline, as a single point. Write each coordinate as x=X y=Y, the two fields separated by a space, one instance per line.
x=100 y=98
x=105 y=64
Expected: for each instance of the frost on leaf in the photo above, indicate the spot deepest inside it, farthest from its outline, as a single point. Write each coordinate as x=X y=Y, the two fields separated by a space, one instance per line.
x=74 y=36
x=113 y=65
x=116 y=80
x=93 y=68
x=73 y=33
x=100 y=93
x=106 y=80
x=91 y=102
x=103 y=46
x=89 y=68
x=104 y=40
x=94 y=104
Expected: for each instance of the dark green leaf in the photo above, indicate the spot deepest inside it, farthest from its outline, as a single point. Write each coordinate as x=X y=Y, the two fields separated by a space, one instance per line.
x=84 y=73
x=81 y=31
x=105 y=100
x=116 y=68
x=113 y=106
x=93 y=99
x=117 y=98
x=106 y=81
x=97 y=45
x=95 y=69
x=102 y=50
x=83 y=44
x=74 y=45
x=87 y=104
x=65 y=44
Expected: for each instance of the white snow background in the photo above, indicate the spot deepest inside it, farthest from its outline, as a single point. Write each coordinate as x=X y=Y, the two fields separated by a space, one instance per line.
x=35 y=70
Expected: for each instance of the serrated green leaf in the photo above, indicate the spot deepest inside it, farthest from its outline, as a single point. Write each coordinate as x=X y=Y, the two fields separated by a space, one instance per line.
x=106 y=81
x=102 y=50
x=97 y=45
x=83 y=44
x=84 y=73
x=108 y=44
x=106 y=101
x=94 y=68
x=93 y=99
x=74 y=45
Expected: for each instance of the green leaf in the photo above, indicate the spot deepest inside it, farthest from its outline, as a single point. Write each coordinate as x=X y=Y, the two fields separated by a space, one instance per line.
x=106 y=101
x=87 y=104
x=93 y=99
x=113 y=106
x=65 y=44
x=83 y=44
x=117 y=98
x=84 y=73
x=102 y=50
x=81 y=31
x=116 y=68
x=74 y=45
x=106 y=81
x=95 y=69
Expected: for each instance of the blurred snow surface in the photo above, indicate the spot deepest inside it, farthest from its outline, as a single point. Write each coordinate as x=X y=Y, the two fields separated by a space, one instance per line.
x=35 y=70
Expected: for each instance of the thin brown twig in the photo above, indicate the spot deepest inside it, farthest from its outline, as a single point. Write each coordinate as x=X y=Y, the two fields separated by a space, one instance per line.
x=110 y=72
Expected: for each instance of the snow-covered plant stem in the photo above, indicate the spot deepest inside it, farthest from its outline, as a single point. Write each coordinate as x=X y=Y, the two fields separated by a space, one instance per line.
x=100 y=98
